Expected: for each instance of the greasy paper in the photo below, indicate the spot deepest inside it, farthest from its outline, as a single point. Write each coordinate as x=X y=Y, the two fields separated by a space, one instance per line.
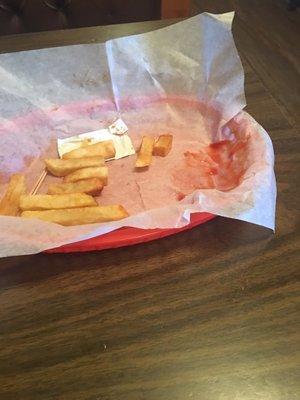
x=186 y=80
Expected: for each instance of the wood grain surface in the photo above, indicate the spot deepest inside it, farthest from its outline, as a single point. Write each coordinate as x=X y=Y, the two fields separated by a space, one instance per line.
x=175 y=8
x=208 y=314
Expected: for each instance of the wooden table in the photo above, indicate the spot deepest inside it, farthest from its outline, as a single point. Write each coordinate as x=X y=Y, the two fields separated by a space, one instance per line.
x=208 y=314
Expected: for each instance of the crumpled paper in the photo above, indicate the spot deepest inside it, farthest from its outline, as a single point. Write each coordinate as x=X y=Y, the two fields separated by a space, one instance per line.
x=185 y=79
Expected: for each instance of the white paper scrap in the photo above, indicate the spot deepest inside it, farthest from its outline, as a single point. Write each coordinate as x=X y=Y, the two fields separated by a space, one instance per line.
x=118 y=128
x=123 y=144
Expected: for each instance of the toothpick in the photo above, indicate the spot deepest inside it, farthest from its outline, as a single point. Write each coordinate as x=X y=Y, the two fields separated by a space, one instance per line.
x=39 y=182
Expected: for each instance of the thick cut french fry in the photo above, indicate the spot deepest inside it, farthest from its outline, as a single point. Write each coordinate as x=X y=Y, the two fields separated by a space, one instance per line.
x=80 y=216
x=92 y=186
x=104 y=149
x=56 y=201
x=85 y=142
x=9 y=205
x=59 y=167
x=86 y=173
x=144 y=157
x=162 y=145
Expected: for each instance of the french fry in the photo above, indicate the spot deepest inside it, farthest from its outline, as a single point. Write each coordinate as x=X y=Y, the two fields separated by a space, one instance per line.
x=162 y=145
x=86 y=173
x=59 y=167
x=104 y=149
x=85 y=142
x=79 y=216
x=56 y=201
x=9 y=205
x=92 y=186
x=144 y=157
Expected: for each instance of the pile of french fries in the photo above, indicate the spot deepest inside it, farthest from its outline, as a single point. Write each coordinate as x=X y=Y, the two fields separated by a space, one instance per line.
x=84 y=174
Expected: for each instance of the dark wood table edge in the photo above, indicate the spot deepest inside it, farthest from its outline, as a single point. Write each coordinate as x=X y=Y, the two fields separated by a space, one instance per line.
x=87 y=35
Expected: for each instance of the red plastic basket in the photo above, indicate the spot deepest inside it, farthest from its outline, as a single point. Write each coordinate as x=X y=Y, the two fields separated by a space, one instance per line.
x=128 y=236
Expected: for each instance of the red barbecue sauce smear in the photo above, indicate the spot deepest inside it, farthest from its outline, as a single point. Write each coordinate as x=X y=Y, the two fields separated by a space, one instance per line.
x=220 y=166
